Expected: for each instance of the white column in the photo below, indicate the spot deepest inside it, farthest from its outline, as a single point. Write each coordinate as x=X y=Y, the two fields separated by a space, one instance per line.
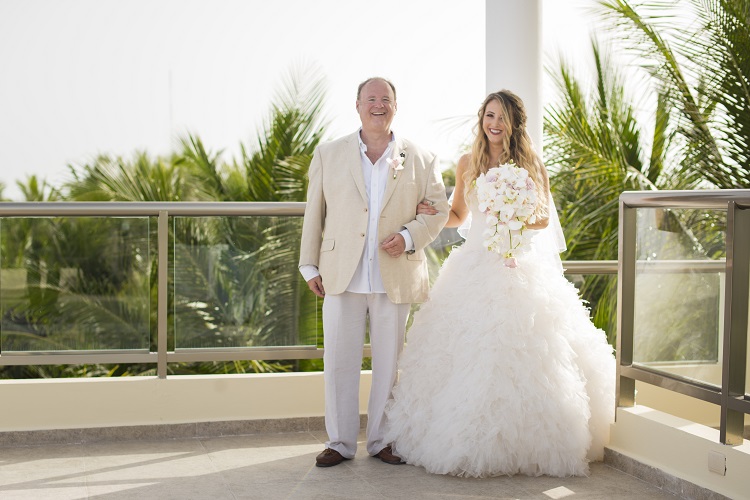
x=514 y=55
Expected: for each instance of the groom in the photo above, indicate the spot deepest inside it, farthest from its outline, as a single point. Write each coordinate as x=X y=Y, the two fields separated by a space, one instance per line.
x=362 y=251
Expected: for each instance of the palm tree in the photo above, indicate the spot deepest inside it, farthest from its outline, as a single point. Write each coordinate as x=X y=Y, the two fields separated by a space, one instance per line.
x=236 y=279
x=595 y=149
x=698 y=54
x=139 y=179
x=260 y=255
x=699 y=79
x=697 y=57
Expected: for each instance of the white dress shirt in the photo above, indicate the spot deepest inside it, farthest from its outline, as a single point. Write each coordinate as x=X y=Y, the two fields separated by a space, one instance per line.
x=367 y=278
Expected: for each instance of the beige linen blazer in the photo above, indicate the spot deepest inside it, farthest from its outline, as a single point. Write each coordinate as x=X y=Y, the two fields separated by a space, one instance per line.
x=335 y=223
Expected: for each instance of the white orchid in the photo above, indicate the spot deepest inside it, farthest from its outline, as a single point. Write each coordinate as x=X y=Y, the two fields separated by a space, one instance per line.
x=507 y=196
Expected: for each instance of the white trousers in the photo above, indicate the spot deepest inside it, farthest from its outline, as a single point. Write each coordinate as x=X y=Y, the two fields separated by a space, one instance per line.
x=344 y=321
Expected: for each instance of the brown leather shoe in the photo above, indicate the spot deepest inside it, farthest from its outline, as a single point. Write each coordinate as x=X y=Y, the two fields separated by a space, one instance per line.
x=387 y=456
x=329 y=458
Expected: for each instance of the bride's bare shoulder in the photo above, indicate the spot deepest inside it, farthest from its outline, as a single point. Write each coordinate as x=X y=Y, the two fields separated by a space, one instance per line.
x=463 y=163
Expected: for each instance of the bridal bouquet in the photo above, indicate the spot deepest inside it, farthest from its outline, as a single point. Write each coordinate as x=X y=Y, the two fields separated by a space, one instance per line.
x=507 y=196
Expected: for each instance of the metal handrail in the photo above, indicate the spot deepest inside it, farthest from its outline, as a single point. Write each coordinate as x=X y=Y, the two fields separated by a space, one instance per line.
x=730 y=396
x=150 y=208
x=708 y=198
x=652 y=266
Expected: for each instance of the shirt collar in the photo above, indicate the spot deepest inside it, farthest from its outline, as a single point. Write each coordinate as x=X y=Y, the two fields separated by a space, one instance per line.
x=363 y=146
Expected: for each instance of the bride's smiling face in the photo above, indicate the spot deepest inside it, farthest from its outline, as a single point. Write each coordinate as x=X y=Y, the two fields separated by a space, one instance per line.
x=493 y=123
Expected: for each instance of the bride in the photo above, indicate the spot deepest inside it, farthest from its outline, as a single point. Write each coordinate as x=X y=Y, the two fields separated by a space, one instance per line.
x=503 y=373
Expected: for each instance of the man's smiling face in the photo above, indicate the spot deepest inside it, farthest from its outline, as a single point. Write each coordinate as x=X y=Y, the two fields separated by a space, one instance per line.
x=376 y=106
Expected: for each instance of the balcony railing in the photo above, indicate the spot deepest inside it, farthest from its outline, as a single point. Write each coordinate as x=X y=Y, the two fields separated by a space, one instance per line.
x=148 y=348
x=156 y=258
x=683 y=298
x=158 y=243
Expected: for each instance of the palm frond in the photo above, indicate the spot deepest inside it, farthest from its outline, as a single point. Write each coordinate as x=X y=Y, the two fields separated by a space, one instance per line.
x=294 y=129
x=699 y=66
x=116 y=179
x=204 y=167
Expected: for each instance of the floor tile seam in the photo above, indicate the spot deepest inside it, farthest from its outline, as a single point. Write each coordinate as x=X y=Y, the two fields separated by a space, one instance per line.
x=216 y=470
x=229 y=488
x=84 y=465
x=364 y=480
x=354 y=469
x=294 y=490
x=312 y=435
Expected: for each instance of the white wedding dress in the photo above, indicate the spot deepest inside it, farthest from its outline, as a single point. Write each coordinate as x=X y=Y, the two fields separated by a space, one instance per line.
x=503 y=372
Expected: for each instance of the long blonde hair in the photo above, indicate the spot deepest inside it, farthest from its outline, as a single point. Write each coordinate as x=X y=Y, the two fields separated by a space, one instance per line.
x=516 y=146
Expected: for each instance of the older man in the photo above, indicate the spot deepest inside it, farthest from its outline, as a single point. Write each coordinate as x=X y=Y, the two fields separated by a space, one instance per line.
x=362 y=250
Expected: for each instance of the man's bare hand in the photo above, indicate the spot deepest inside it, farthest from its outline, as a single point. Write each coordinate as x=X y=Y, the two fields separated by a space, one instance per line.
x=394 y=245
x=316 y=285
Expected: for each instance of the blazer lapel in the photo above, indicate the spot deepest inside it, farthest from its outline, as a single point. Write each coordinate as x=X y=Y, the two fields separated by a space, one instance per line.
x=394 y=177
x=351 y=156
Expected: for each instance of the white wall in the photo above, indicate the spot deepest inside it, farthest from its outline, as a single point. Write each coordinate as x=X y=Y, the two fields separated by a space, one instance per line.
x=680 y=448
x=514 y=55
x=103 y=402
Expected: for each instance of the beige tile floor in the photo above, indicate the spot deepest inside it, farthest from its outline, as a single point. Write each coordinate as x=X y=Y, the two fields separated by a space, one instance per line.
x=267 y=466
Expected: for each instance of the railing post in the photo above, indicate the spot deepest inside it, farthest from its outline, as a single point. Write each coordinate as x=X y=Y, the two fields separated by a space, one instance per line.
x=162 y=285
x=626 y=303
x=734 y=361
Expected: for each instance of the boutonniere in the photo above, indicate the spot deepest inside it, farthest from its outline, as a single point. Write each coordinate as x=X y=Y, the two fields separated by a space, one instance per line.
x=397 y=163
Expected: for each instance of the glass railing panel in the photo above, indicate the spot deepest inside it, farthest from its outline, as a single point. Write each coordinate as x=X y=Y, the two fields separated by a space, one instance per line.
x=74 y=283
x=747 y=372
x=599 y=294
x=237 y=284
x=679 y=287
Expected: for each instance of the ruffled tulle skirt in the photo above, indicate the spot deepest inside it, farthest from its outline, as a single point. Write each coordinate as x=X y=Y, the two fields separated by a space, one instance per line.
x=503 y=373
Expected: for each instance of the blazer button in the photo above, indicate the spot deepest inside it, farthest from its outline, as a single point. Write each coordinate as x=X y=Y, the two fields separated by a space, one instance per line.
x=365 y=210
x=362 y=234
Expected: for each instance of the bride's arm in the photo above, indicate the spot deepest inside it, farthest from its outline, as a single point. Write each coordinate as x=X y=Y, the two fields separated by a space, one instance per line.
x=459 y=209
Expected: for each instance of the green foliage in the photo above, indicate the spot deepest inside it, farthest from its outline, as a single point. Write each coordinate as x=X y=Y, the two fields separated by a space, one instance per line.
x=141 y=179
x=701 y=64
x=698 y=70
x=595 y=149
x=449 y=177
x=236 y=280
